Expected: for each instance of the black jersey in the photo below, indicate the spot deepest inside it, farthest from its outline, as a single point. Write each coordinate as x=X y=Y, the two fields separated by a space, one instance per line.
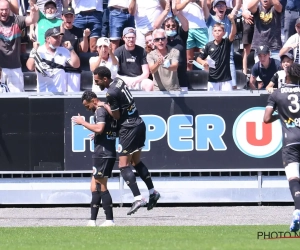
x=105 y=143
x=287 y=102
x=119 y=98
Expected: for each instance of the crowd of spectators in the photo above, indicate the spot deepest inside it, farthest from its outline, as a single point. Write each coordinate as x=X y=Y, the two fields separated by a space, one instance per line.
x=153 y=45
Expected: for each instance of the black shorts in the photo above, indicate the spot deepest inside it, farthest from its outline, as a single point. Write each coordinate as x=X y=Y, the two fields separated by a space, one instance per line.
x=290 y=154
x=248 y=31
x=102 y=167
x=131 y=139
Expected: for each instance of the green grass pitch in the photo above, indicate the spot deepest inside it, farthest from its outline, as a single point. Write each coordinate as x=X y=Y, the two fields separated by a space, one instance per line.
x=177 y=237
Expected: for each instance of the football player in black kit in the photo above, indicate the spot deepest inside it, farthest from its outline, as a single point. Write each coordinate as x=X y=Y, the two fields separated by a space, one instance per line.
x=286 y=101
x=104 y=157
x=132 y=135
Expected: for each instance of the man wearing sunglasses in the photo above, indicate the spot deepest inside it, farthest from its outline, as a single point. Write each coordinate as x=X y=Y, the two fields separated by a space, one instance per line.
x=163 y=63
x=133 y=66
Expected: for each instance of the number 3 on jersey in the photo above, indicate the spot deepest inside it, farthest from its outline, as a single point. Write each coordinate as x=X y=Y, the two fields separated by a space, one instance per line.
x=127 y=93
x=295 y=102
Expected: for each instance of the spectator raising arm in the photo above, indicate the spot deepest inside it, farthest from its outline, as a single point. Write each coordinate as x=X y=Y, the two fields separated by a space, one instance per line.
x=161 y=18
x=34 y=14
x=181 y=5
x=74 y=60
x=253 y=5
x=132 y=7
x=14 y=6
x=203 y=5
x=184 y=22
x=233 y=28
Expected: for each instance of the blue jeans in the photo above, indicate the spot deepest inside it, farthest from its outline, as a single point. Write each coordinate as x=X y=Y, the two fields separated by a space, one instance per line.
x=290 y=18
x=119 y=21
x=91 y=20
x=105 y=20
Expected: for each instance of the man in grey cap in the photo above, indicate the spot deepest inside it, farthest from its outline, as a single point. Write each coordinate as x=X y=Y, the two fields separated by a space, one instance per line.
x=133 y=66
x=265 y=68
x=292 y=44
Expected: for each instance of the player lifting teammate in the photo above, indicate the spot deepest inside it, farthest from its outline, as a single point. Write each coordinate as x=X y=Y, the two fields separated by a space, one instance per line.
x=104 y=157
x=286 y=101
x=132 y=135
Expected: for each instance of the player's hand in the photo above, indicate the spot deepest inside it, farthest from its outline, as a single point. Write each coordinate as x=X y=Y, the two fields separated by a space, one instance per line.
x=92 y=136
x=101 y=104
x=86 y=32
x=78 y=120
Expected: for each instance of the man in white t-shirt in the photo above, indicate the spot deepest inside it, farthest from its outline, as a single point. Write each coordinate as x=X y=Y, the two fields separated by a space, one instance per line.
x=49 y=61
x=145 y=13
x=293 y=44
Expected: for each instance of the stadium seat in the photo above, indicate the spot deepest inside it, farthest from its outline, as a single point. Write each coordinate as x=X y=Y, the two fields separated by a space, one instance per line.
x=238 y=60
x=84 y=60
x=241 y=80
x=24 y=57
x=30 y=81
x=86 y=80
x=198 y=80
x=250 y=60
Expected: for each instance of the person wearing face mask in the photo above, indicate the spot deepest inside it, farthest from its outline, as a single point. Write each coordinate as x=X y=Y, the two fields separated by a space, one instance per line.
x=46 y=21
x=49 y=61
x=177 y=37
x=163 y=63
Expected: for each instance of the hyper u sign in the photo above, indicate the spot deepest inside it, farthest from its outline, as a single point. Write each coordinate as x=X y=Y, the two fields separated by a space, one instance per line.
x=202 y=132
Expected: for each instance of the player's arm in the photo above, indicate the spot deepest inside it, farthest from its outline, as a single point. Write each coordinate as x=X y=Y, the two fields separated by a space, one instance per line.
x=96 y=128
x=271 y=107
x=113 y=107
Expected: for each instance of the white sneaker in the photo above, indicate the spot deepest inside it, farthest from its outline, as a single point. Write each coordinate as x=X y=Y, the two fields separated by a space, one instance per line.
x=91 y=223
x=108 y=223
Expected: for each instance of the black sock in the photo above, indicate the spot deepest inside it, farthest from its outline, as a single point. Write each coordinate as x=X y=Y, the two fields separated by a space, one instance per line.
x=107 y=205
x=95 y=204
x=130 y=180
x=295 y=191
x=143 y=172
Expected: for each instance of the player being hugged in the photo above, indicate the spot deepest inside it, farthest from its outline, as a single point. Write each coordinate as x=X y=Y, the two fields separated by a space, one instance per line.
x=286 y=101
x=132 y=135
x=104 y=157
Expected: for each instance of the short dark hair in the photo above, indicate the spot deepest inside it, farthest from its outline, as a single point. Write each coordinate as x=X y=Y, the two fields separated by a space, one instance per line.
x=102 y=71
x=219 y=25
x=294 y=72
x=88 y=96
